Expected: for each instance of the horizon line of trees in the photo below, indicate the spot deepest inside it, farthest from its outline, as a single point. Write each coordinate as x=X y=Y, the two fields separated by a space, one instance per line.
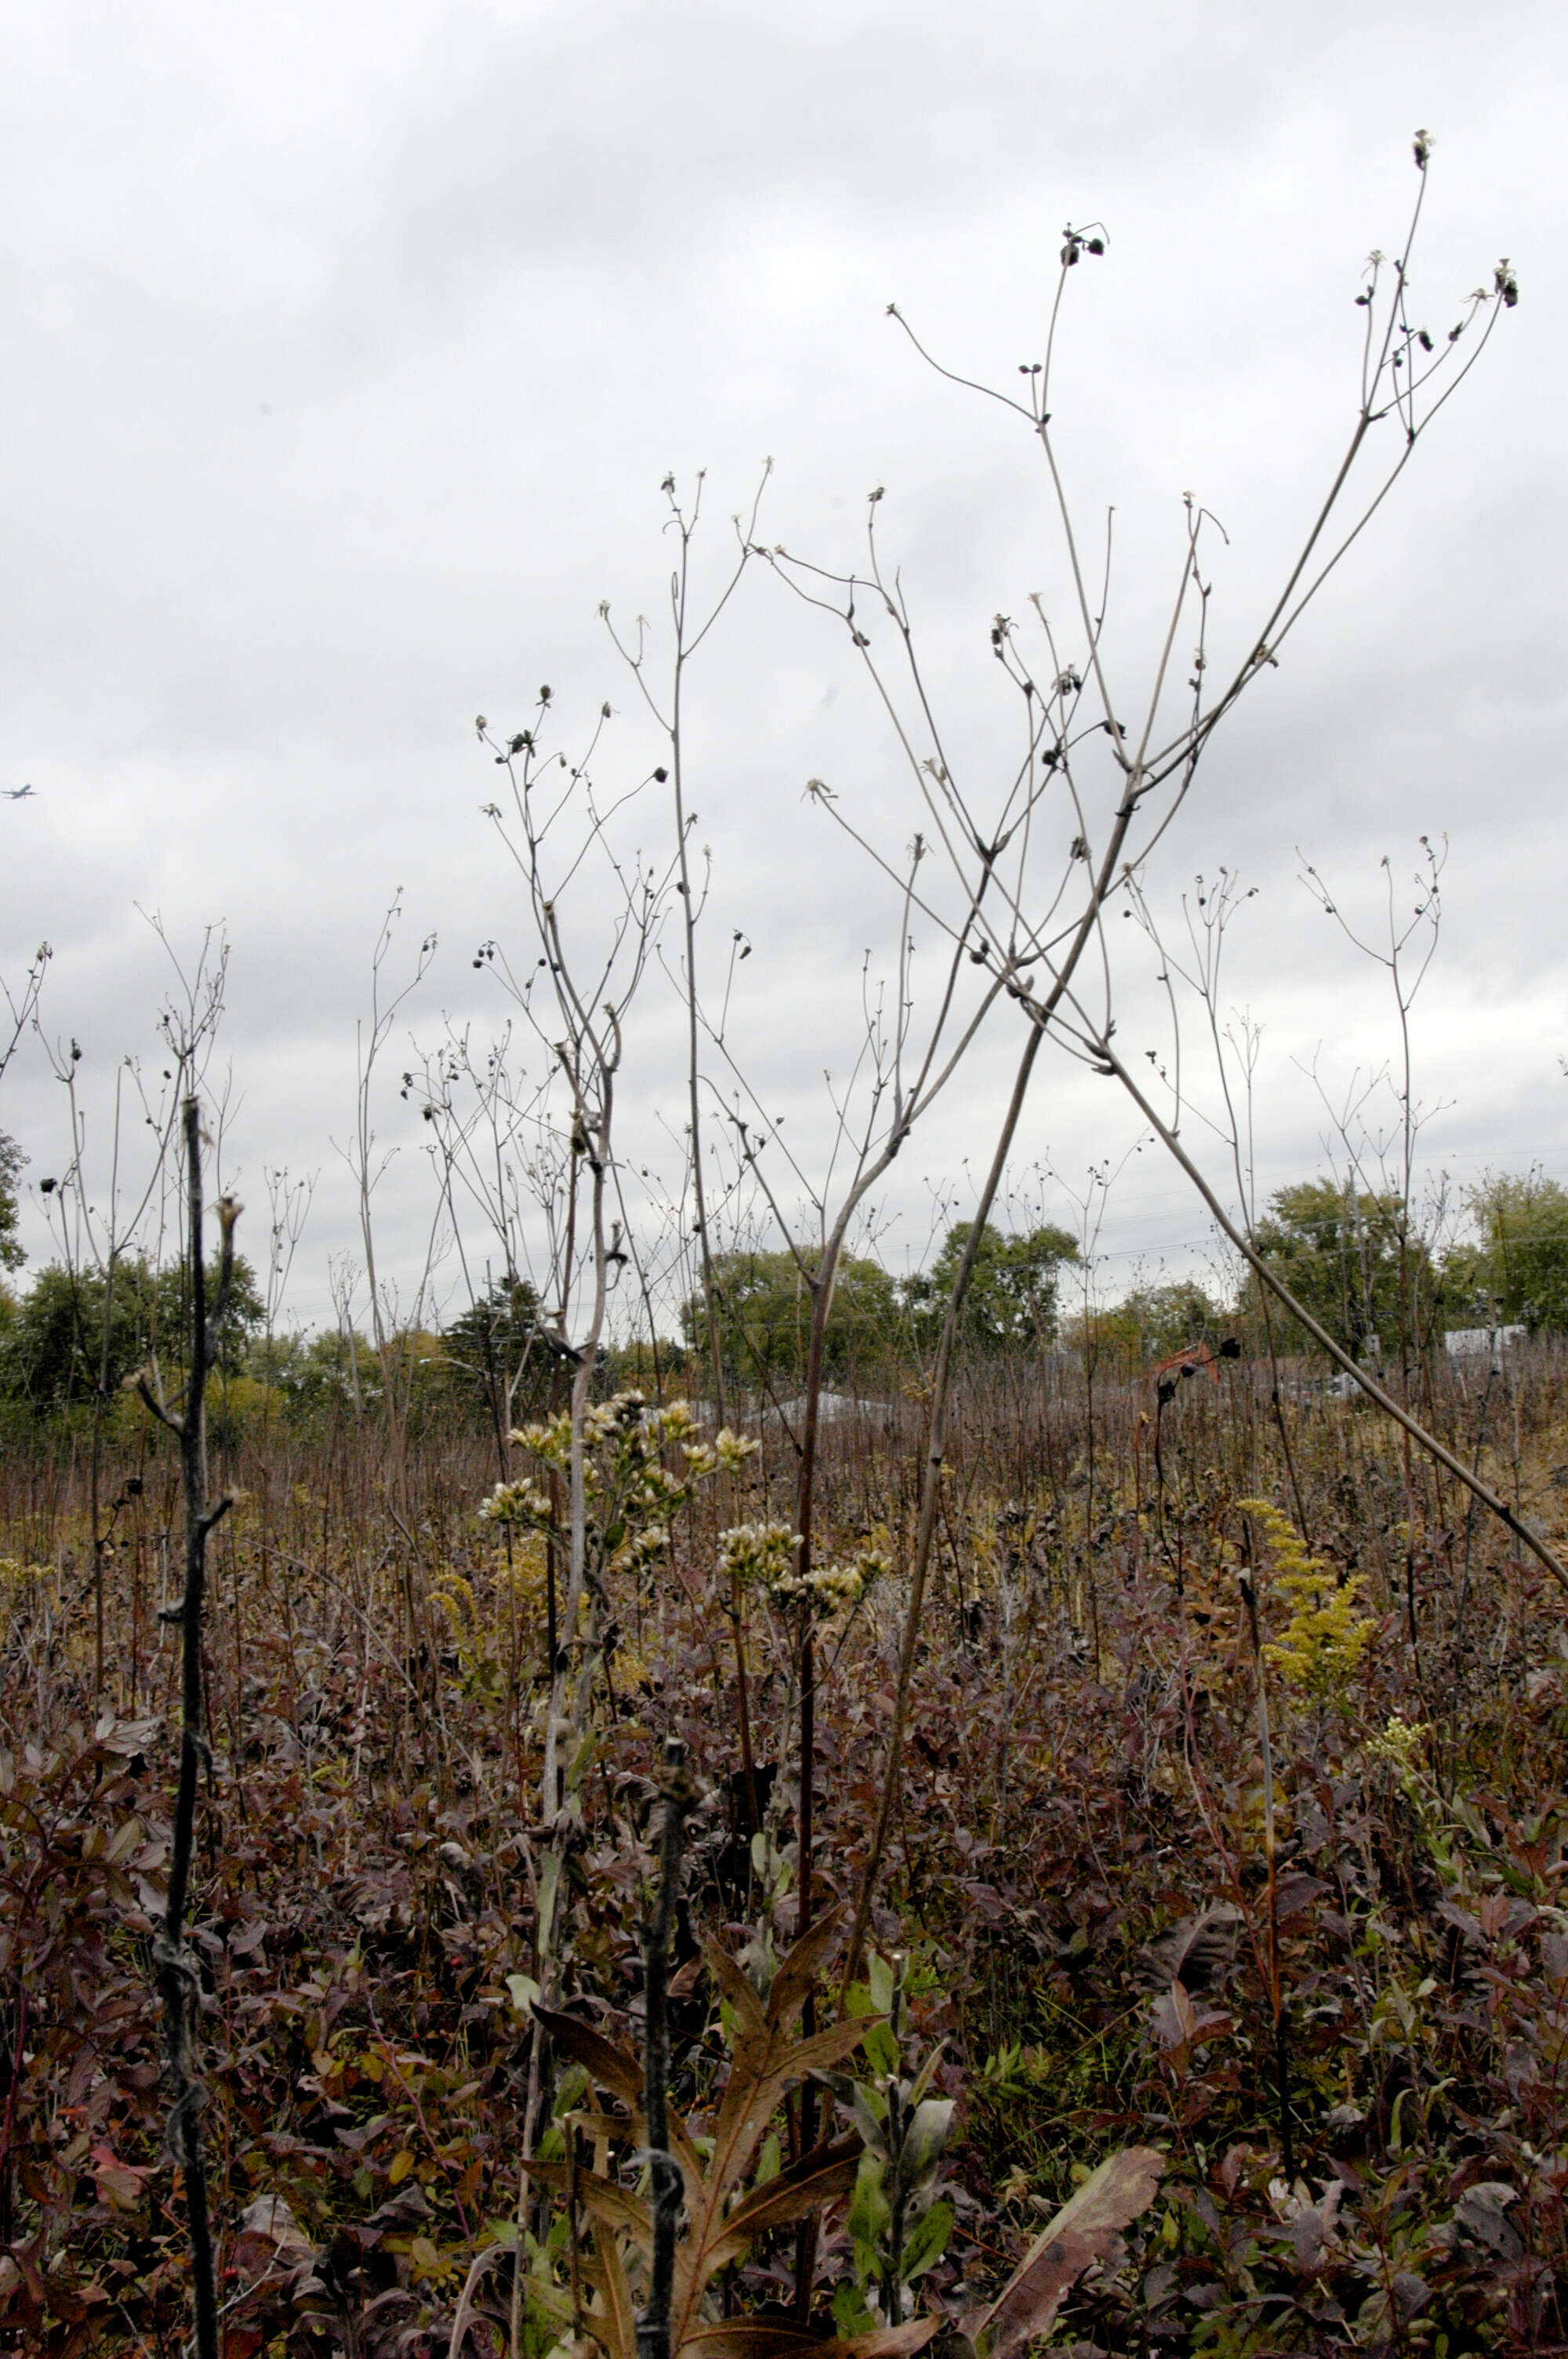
x=73 y=1337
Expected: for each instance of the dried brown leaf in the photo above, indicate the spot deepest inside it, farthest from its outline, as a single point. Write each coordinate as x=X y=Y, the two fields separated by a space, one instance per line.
x=755 y=2087
x=1081 y=2231
x=753 y=2091
x=753 y=2338
x=1197 y=1954
x=766 y=2338
x=614 y=2069
x=611 y=2067
x=816 y=2179
x=890 y=2342
x=750 y=2033
x=685 y=1980
x=601 y=2199
x=818 y=2054
x=468 y=2310
x=791 y=1985
x=616 y=2328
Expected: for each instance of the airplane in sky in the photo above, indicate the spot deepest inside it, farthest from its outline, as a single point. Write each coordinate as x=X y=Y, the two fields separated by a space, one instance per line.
x=19 y=794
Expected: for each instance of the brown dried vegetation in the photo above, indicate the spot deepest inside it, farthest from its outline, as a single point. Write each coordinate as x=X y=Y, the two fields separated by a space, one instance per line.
x=1078 y=1889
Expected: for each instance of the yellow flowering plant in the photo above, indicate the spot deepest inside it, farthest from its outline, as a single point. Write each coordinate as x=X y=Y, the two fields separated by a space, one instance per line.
x=1320 y=1648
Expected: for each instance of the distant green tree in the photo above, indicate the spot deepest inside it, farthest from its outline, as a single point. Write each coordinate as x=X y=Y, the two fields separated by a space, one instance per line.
x=494 y=1354
x=11 y=1161
x=1337 y=1249
x=244 y=1314
x=52 y=1353
x=1012 y=1304
x=1172 y=1316
x=276 y=1359
x=1107 y=1339
x=633 y=1363
x=319 y=1373
x=764 y=1318
x=1517 y=1269
x=74 y=1330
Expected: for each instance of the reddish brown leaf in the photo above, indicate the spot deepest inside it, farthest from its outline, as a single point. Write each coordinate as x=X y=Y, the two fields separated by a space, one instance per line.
x=1295 y=1893
x=119 y=2184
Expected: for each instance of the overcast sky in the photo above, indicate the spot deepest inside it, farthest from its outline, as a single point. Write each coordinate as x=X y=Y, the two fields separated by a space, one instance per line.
x=346 y=349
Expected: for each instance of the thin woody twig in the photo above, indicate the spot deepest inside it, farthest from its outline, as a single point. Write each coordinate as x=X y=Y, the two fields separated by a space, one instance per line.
x=179 y=1973
x=680 y=1797
x=1270 y=1277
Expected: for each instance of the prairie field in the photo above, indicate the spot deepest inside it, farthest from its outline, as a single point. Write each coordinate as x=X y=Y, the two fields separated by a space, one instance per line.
x=1335 y=2012
x=841 y=1628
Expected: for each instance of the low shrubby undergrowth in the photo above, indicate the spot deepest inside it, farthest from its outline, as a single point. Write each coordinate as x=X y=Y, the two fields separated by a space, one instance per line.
x=1338 y=2009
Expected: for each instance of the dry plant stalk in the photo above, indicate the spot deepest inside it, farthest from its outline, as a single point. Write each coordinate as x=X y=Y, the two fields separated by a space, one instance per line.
x=22 y=1007
x=680 y=1796
x=1263 y=1270
x=722 y=2221
x=179 y=1971
x=1041 y=935
x=101 y=1237
x=1271 y=1862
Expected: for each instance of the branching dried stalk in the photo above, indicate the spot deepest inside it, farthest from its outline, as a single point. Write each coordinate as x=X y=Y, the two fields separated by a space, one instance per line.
x=22 y=1008
x=579 y=1025
x=1264 y=1271
x=1043 y=938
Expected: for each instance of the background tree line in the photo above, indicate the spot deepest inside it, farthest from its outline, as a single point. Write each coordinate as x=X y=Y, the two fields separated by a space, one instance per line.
x=71 y=1337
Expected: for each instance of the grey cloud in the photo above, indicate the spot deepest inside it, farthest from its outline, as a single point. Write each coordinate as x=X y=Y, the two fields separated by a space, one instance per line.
x=345 y=354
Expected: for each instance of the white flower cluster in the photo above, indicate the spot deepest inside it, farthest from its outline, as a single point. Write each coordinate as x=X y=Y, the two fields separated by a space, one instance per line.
x=728 y=1450
x=832 y=1592
x=515 y=1503
x=632 y=1493
x=549 y=1438
x=762 y=1554
x=607 y=1421
x=831 y=1589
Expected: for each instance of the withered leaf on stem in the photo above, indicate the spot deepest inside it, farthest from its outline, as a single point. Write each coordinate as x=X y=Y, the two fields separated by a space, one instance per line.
x=1082 y=2231
x=1198 y=1952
